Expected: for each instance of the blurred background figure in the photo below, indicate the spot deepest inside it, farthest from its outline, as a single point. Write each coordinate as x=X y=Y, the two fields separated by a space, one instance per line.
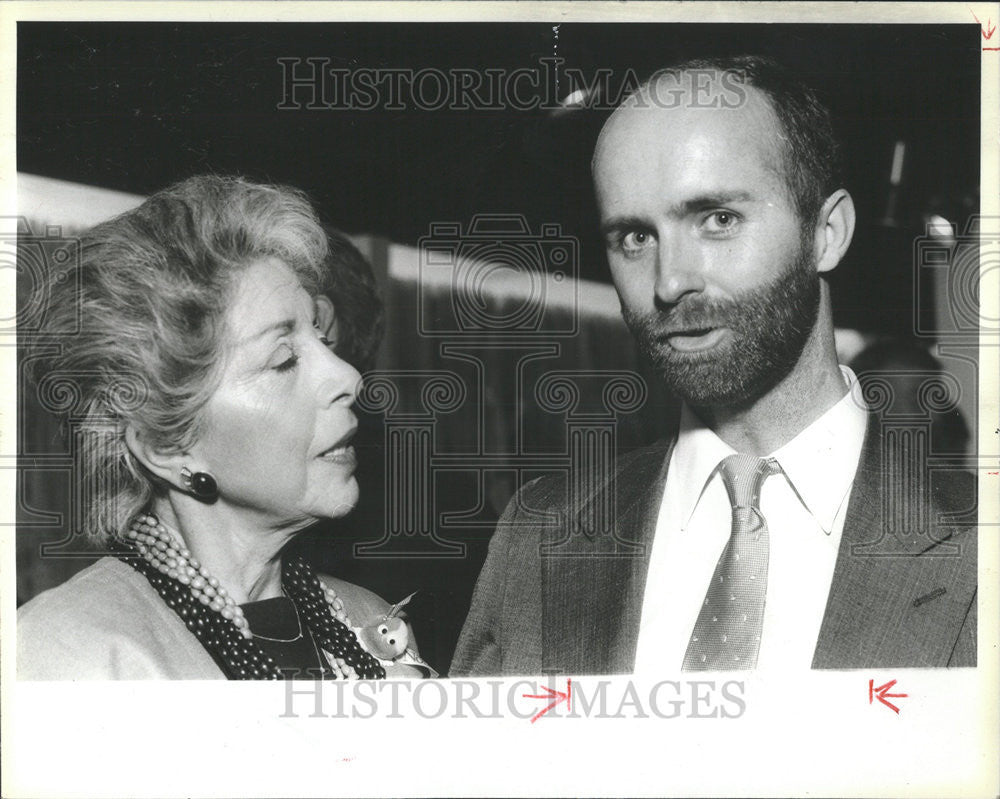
x=906 y=366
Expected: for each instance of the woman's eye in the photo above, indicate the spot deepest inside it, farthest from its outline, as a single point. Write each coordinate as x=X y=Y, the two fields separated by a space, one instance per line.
x=286 y=358
x=287 y=365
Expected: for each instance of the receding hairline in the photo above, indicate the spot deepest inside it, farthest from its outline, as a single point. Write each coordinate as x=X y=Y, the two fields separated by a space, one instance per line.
x=778 y=163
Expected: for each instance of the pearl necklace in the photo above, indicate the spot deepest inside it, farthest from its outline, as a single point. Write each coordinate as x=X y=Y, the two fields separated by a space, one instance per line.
x=218 y=621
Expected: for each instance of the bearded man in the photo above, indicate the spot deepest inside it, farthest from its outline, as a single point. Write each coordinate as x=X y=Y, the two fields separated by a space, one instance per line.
x=768 y=533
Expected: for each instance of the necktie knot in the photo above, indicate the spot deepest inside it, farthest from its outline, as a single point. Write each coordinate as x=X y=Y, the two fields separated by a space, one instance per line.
x=743 y=476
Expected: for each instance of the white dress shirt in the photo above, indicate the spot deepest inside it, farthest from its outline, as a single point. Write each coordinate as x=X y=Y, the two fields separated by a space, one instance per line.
x=804 y=506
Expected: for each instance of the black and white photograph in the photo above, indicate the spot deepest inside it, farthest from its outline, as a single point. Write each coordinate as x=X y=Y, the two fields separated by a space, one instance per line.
x=495 y=375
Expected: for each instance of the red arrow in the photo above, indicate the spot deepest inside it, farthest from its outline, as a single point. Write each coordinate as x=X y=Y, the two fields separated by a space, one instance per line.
x=881 y=693
x=987 y=31
x=549 y=694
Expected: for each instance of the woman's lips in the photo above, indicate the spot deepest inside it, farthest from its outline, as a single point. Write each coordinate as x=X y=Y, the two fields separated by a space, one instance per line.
x=343 y=456
x=341 y=451
x=696 y=340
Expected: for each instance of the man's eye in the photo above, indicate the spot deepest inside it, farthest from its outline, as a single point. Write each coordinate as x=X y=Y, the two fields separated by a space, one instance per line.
x=635 y=241
x=721 y=221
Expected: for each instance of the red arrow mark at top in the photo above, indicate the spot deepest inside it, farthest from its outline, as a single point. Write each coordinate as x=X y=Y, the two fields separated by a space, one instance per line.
x=882 y=694
x=556 y=696
x=988 y=30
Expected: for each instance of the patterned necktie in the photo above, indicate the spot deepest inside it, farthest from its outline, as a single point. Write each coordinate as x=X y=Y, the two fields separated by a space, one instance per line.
x=726 y=636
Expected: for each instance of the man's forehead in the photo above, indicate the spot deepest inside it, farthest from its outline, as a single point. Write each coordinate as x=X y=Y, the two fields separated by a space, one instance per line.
x=703 y=88
x=692 y=98
x=654 y=122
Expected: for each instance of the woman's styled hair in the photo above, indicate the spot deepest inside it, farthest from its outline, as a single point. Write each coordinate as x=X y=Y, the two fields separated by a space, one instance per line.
x=351 y=287
x=136 y=337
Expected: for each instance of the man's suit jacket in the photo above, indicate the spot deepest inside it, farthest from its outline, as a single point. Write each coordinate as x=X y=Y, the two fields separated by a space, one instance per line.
x=895 y=600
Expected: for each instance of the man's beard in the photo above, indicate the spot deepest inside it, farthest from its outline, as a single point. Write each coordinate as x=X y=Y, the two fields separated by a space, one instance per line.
x=768 y=326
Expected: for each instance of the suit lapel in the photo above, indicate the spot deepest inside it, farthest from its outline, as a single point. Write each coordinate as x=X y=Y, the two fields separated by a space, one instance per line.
x=890 y=592
x=592 y=601
x=894 y=600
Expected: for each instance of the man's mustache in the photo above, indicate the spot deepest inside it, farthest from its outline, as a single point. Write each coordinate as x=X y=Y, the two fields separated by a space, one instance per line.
x=693 y=314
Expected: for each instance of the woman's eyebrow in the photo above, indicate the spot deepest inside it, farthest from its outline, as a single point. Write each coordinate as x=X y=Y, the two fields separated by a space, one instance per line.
x=284 y=326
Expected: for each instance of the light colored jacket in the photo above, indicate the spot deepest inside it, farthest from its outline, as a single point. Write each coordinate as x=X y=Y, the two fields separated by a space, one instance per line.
x=109 y=623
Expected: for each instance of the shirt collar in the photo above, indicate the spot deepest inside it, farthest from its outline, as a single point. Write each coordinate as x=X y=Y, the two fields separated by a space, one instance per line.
x=819 y=463
x=697 y=454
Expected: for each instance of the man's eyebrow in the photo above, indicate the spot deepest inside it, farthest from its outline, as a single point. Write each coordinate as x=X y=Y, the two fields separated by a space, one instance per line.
x=700 y=203
x=619 y=223
x=710 y=200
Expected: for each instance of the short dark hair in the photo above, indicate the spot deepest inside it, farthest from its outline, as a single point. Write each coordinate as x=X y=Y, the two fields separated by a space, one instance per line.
x=811 y=166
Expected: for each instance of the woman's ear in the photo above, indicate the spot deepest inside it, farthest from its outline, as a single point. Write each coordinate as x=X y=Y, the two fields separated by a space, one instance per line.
x=166 y=466
x=834 y=229
x=326 y=316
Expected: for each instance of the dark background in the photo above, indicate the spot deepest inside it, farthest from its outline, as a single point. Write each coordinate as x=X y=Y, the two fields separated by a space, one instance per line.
x=136 y=106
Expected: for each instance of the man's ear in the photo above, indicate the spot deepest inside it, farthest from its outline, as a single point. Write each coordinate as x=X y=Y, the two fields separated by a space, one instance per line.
x=834 y=230
x=166 y=466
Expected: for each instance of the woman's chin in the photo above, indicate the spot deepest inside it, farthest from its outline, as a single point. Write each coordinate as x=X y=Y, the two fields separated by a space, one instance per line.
x=343 y=500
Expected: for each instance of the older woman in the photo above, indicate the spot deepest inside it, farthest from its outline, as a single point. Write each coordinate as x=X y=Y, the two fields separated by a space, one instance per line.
x=233 y=434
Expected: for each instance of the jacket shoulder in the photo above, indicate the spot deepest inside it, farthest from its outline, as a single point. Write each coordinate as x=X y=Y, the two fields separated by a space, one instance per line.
x=551 y=489
x=106 y=591
x=106 y=622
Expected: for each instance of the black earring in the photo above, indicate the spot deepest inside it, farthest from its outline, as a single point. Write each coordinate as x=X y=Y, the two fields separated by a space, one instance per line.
x=201 y=484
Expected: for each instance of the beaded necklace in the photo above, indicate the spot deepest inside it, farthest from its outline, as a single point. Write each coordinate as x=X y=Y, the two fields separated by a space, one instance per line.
x=293 y=639
x=218 y=622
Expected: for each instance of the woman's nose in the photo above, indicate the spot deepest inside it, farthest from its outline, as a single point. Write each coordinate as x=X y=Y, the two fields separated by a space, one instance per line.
x=344 y=381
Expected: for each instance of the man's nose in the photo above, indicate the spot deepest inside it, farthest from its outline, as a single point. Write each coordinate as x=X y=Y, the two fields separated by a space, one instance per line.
x=678 y=272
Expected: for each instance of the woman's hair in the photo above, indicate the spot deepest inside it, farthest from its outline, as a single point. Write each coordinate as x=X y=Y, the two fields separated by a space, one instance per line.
x=135 y=336
x=350 y=285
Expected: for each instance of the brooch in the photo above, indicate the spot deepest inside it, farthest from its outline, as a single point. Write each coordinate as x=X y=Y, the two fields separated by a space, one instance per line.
x=388 y=639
